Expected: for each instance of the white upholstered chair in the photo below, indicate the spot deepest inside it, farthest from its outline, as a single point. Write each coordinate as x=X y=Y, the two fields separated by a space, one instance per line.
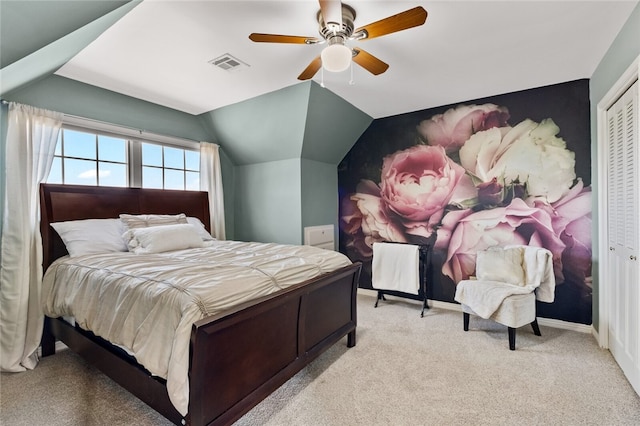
x=508 y=282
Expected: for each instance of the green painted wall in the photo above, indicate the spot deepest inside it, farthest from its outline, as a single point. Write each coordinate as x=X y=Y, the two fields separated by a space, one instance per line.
x=268 y=202
x=333 y=125
x=72 y=97
x=624 y=50
x=266 y=128
x=319 y=195
x=75 y=98
x=303 y=122
x=282 y=143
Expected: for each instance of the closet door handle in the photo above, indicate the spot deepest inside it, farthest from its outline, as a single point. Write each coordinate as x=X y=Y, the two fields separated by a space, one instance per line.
x=633 y=257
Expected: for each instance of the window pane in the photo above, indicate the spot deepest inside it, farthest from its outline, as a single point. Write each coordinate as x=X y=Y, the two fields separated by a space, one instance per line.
x=112 y=174
x=80 y=172
x=112 y=149
x=151 y=177
x=151 y=155
x=193 y=181
x=192 y=160
x=58 y=151
x=173 y=179
x=55 y=175
x=173 y=158
x=79 y=144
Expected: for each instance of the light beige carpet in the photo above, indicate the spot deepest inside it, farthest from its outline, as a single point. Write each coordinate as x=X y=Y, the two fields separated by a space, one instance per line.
x=404 y=370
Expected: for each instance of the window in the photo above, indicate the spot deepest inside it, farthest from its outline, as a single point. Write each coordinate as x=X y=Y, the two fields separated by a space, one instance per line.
x=170 y=168
x=87 y=157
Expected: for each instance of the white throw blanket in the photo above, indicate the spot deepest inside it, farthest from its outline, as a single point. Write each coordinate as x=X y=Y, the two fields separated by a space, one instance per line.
x=396 y=267
x=484 y=297
x=539 y=268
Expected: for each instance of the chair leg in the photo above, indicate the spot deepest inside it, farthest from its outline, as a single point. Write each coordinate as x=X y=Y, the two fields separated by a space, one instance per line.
x=512 y=338
x=536 y=329
x=465 y=321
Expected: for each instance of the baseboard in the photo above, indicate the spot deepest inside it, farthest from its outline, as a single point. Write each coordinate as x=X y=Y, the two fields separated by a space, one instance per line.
x=566 y=325
x=547 y=322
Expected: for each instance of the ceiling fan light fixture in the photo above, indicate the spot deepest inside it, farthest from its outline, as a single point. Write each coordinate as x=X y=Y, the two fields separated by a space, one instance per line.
x=336 y=58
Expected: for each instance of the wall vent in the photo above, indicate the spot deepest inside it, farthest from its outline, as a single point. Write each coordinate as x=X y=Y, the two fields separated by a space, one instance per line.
x=228 y=62
x=319 y=236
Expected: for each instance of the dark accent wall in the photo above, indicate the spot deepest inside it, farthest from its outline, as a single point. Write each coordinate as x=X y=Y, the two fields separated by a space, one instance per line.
x=428 y=176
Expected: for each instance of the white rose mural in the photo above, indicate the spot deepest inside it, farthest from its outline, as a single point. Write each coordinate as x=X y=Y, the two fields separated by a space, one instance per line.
x=530 y=153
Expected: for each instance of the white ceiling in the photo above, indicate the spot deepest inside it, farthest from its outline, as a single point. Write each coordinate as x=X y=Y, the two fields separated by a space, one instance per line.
x=160 y=50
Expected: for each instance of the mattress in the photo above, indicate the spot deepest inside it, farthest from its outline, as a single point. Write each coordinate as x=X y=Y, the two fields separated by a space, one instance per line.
x=147 y=303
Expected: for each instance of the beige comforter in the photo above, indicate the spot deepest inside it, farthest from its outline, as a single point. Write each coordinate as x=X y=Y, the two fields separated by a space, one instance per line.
x=147 y=303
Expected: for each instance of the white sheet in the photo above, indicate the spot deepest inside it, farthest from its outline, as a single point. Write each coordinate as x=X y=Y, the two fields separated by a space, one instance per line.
x=148 y=302
x=396 y=267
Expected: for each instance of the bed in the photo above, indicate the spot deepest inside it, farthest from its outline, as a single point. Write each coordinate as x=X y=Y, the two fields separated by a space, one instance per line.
x=236 y=357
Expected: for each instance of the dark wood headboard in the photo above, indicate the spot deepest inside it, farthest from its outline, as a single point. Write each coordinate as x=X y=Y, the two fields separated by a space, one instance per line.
x=60 y=203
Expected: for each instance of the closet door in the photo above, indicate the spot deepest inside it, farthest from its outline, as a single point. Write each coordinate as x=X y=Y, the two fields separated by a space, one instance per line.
x=623 y=191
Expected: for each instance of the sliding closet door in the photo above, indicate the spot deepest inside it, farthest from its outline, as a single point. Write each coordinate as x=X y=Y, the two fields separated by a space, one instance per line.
x=623 y=212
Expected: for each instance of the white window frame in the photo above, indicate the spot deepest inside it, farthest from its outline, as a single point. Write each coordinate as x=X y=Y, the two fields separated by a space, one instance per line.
x=135 y=137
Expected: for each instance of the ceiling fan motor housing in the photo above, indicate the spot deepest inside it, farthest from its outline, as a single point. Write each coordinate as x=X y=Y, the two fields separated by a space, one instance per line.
x=333 y=30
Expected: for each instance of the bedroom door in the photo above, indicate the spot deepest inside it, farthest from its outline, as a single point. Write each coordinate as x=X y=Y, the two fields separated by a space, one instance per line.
x=623 y=211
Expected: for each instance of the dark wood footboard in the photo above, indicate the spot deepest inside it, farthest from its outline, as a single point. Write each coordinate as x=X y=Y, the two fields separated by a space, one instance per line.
x=239 y=358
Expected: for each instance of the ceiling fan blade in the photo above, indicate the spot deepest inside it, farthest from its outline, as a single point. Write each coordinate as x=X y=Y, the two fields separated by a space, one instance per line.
x=311 y=69
x=401 y=21
x=331 y=11
x=369 y=62
x=279 y=38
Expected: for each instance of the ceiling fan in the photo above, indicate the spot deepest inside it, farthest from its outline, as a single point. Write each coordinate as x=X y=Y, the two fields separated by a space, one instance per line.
x=335 y=20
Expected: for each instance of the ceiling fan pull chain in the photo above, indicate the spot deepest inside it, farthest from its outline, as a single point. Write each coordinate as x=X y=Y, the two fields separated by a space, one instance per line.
x=322 y=77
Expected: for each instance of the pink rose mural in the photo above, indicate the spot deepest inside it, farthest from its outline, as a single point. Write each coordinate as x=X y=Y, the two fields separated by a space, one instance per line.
x=477 y=176
x=452 y=129
x=418 y=183
x=464 y=233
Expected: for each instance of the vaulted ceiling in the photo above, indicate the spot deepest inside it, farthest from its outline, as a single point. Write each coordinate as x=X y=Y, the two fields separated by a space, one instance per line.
x=159 y=50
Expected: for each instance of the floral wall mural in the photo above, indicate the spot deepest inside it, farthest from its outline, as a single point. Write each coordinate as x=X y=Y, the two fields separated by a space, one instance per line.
x=509 y=169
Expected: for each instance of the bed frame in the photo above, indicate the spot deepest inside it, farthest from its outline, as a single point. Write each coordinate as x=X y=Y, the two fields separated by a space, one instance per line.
x=236 y=359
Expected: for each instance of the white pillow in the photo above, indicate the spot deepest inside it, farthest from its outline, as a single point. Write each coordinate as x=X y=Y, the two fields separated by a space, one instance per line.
x=202 y=231
x=157 y=239
x=504 y=265
x=91 y=236
x=146 y=220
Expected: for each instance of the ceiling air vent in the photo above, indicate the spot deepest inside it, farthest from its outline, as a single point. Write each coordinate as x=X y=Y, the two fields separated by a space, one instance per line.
x=228 y=62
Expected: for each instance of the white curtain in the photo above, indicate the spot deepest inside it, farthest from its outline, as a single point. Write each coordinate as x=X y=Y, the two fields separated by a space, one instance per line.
x=211 y=181
x=31 y=141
